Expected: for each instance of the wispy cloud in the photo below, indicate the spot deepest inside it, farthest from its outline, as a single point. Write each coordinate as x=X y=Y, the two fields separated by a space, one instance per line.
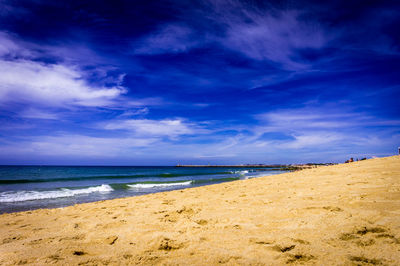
x=35 y=113
x=274 y=37
x=136 y=112
x=146 y=127
x=269 y=35
x=312 y=127
x=307 y=118
x=73 y=145
x=11 y=48
x=317 y=118
x=279 y=135
x=311 y=140
x=172 y=38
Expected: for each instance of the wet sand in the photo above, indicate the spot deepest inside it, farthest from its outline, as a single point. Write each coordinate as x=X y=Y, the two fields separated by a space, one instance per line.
x=332 y=215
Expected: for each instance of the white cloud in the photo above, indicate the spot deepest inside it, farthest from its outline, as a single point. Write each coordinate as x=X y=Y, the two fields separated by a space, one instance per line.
x=77 y=145
x=53 y=85
x=311 y=140
x=325 y=129
x=146 y=127
x=323 y=118
x=307 y=119
x=26 y=80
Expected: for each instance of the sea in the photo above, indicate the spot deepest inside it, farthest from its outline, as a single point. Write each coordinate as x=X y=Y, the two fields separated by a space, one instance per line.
x=25 y=188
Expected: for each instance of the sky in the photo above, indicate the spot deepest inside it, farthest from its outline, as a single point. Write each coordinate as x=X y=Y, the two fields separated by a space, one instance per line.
x=198 y=82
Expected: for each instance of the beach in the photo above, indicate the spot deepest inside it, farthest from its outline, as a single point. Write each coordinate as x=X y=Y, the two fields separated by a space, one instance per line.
x=346 y=214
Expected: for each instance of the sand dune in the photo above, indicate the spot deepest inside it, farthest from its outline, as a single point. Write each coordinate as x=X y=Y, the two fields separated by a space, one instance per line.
x=332 y=215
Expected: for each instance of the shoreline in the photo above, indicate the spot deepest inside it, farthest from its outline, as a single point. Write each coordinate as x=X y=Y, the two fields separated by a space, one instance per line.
x=112 y=191
x=344 y=214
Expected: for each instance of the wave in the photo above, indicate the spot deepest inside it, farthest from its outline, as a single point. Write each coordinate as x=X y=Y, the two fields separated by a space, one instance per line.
x=180 y=183
x=43 y=180
x=162 y=175
x=153 y=185
x=242 y=172
x=50 y=194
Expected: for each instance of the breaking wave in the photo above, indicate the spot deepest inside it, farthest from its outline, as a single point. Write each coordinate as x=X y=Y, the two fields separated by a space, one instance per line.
x=50 y=194
x=153 y=185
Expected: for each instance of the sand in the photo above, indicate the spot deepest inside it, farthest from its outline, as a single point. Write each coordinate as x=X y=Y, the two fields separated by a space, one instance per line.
x=345 y=214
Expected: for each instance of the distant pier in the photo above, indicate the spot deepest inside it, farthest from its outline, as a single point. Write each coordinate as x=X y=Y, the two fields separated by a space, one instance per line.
x=286 y=167
x=236 y=166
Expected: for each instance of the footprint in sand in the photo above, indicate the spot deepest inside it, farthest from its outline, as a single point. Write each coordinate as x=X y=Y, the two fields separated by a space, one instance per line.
x=14 y=223
x=168 y=202
x=283 y=249
x=36 y=241
x=75 y=237
x=79 y=253
x=362 y=259
x=358 y=233
x=299 y=258
x=171 y=217
x=368 y=236
x=332 y=209
x=168 y=244
x=293 y=258
x=392 y=238
x=54 y=259
x=12 y=239
x=202 y=222
x=186 y=210
x=111 y=240
x=174 y=216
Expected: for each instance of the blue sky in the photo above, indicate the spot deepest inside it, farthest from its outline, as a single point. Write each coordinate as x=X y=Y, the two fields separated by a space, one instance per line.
x=167 y=82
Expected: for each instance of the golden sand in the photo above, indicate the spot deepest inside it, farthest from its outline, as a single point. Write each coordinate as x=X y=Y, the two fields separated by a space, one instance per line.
x=332 y=215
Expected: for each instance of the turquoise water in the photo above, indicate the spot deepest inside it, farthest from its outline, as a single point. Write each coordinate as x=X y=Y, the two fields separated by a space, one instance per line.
x=31 y=187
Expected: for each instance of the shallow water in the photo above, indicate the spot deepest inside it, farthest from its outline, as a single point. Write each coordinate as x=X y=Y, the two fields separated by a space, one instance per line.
x=32 y=187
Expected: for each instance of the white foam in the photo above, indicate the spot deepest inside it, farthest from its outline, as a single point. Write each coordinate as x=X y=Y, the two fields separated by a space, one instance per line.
x=187 y=183
x=51 y=194
x=242 y=172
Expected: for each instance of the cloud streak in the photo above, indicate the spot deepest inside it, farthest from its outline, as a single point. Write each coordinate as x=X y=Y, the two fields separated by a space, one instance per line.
x=265 y=35
x=273 y=37
x=146 y=127
x=52 y=85
x=169 y=39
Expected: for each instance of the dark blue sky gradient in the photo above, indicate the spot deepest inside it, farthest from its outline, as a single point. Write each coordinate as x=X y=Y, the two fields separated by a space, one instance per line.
x=167 y=82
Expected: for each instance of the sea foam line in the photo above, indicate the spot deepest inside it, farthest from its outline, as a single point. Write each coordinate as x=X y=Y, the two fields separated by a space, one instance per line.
x=51 y=194
x=187 y=183
x=241 y=172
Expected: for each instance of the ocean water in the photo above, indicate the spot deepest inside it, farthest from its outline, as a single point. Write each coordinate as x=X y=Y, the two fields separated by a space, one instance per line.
x=32 y=187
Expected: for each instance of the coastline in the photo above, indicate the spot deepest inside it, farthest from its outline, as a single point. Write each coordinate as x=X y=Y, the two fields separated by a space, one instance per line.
x=25 y=189
x=341 y=214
